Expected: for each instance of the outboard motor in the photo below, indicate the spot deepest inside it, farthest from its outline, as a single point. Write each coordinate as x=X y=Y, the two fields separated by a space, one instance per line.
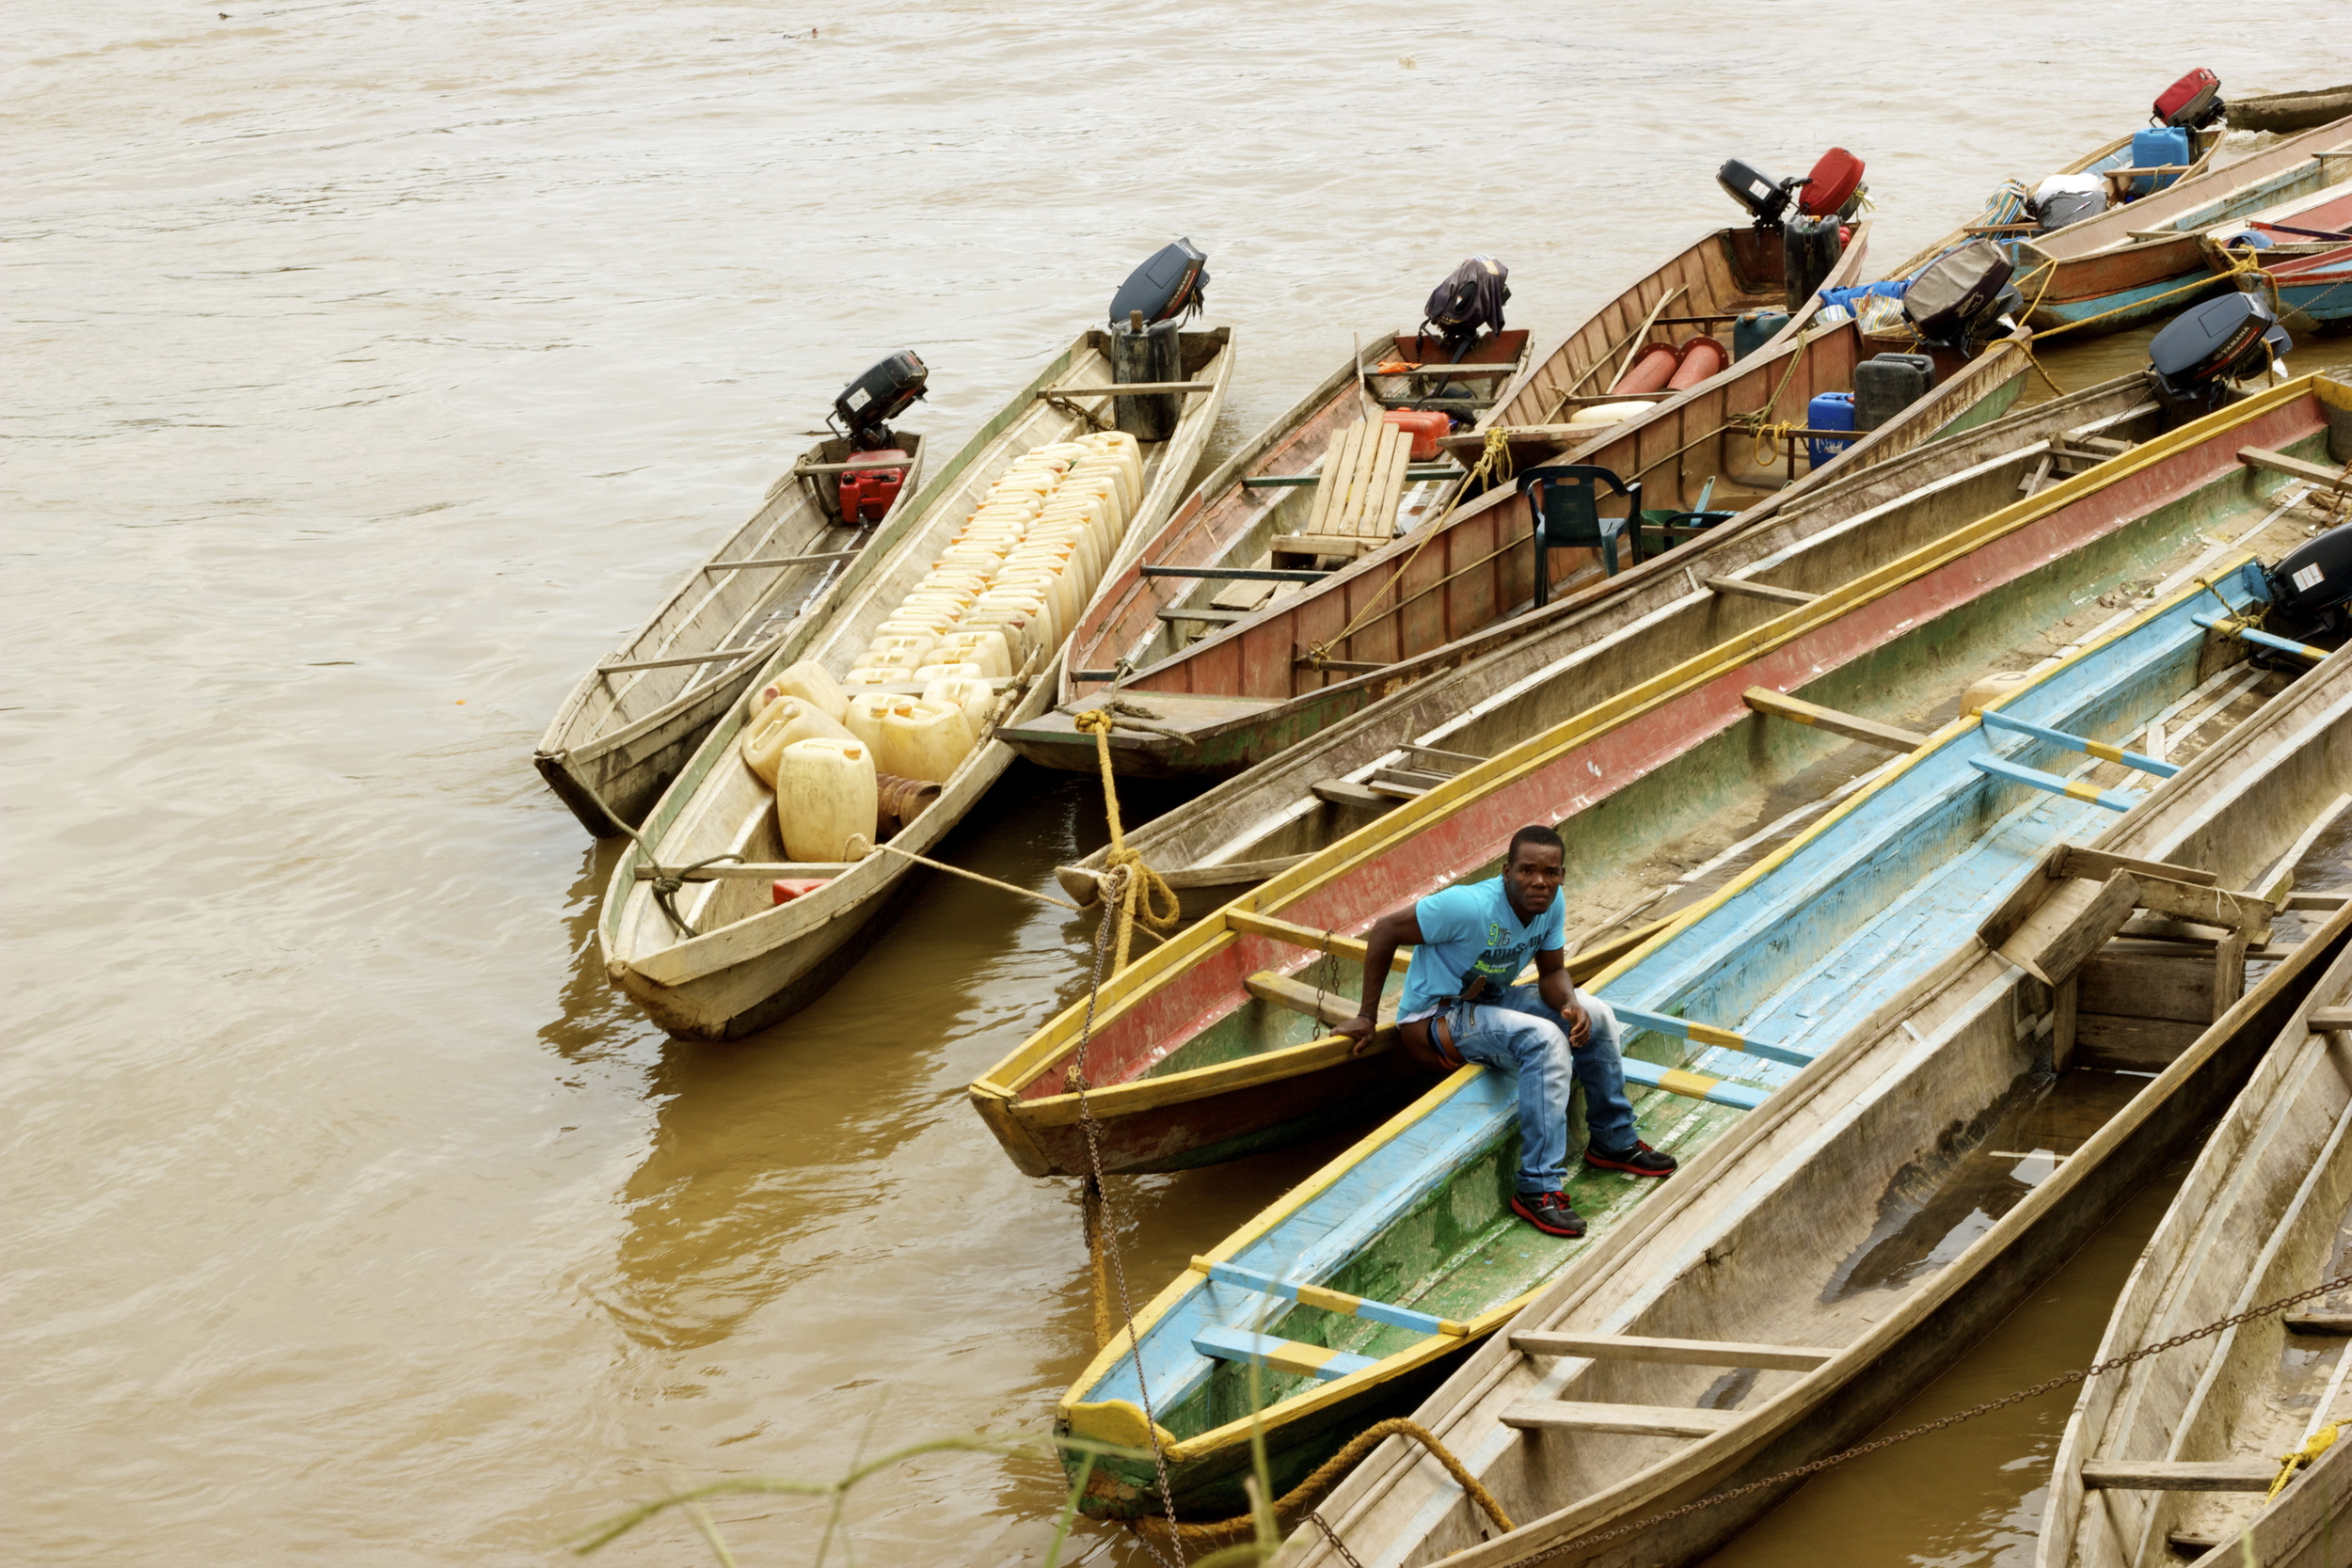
x=864 y=410
x=2196 y=356
x=1166 y=288
x=2192 y=102
x=1958 y=294
x=867 y=405
x=1146 y=347
x=2310 y=588
x=1471 y=298
x=1834 y=189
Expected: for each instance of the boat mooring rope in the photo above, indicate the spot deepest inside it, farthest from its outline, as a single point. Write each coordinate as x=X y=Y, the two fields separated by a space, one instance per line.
x=667 y=881
x=2081 y=1375
x=1135 y=891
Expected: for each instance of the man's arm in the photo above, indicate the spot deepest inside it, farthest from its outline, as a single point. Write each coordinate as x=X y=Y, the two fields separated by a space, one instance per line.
x=1559 y=994
x=1393 y=930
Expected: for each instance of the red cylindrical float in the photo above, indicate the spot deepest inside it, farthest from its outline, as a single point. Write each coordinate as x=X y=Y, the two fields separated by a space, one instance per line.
x=1701 y=358
x=1650 y=372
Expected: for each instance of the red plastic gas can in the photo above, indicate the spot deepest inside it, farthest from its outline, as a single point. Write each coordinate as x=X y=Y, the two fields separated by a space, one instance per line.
x=1835 y=177
x=867 y=490
x=1425 y=425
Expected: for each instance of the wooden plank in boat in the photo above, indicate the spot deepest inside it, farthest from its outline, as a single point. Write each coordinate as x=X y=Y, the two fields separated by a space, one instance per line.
x=2172 y=1475
x=1777 y=704
x=1346 y=792
x=2176 y=985
x=2279 y=463
x=2131 y=1044
x=2055 y=940
x=1640 y=1420
x=1757 y=590
x=1689 y=1352
x=2059 y=864
x=2329 y=1020
x=1331 y=1006
x=2097 y=865
x=2320 y=1322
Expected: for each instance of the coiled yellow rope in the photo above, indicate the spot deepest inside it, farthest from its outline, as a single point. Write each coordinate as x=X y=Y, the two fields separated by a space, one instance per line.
x=1141 y=892
x=2319 y=1443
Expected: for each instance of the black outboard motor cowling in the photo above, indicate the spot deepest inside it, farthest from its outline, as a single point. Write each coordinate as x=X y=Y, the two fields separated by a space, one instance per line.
x=2310 y=588
x=867 y=405
x=1471 y=297
x=2194 y=358
x=1959 y=292
x=1765 y=198
x=1172 y=284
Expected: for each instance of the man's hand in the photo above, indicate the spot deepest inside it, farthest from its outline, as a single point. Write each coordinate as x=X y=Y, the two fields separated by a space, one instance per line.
x=1357 y=1029
x=1580 y=1026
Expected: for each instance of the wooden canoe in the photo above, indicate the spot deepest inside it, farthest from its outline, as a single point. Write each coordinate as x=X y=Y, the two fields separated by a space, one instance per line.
x=1816 y=1266
x=1232 y=520
x=624 y=733
x=2176 y=1452
x=1137 y=616
x=1198 y=1052
x=2310 y=292
x=2143 y=260
x=1858 y=921
x=753 y=962
x=2286 y=112
x=1624 y=629
x=2116 y=154
x=1457 y=591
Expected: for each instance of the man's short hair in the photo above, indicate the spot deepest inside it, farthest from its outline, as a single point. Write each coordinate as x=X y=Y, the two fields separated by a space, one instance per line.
x=1534 y=833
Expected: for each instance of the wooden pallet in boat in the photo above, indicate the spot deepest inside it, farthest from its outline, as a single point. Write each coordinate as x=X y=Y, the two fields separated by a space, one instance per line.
x=2143 y=260
x=2172 y=1456
x=1885 y=1208
x=1856 y=925
x=752 y=963
x=1192 y=1065
x=631 y=723
x=1447 y=595
x=1647 y=620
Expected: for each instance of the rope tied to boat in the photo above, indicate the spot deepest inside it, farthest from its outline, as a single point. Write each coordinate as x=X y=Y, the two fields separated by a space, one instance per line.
x=2081 y=1375
x=1132 y=888
x=1299 y=1502
x=1121 y=714
x=666 y=881
x=2289 y=1463
x=2238 y=266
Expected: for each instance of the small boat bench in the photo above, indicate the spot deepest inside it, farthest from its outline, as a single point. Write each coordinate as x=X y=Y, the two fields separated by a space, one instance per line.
x=1354 y=502
x=1223 y=1343
x=1646 y=1420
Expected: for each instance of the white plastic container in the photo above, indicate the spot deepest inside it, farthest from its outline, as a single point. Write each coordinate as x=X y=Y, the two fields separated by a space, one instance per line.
x=864 y=717
x=825 y=795
x=931 y=672
x=807 y=681
x=968 y=693
x=924 y=739
x=984 y=646
x=782 y=722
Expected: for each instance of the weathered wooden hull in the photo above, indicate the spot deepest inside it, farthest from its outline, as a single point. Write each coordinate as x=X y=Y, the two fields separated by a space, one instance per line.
x=1874 y=1213
x=2260 y=1217
x=1615 y=633
x=621 y=739
x=2282 y=113
x=1437 y=600
x=1179 y=1039
x=1839 y=931
x=2101 y=275
x=749 y=964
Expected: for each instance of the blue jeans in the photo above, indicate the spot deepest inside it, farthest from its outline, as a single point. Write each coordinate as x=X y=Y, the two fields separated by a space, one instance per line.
x=1516 y=1032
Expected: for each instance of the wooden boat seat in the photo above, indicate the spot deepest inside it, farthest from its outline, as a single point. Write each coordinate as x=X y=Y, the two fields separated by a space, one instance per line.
x=1283 y=1356
x=1688 y=1353
x=1638 y=1421
x=1356 y=498
x=2172 y=1475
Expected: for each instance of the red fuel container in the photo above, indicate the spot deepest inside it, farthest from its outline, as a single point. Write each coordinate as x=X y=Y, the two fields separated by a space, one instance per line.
x=790 y=888
x=867 y=490
x=1425 y=425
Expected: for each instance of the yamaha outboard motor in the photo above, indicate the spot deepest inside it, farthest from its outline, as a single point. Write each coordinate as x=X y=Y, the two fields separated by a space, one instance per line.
x=1961 y=292
x=2195 y=358
x=1147 y=345
x=2310 y=587
x=1166 y=288
x=867 y=405
x=1470 y=299
x=1832 y=189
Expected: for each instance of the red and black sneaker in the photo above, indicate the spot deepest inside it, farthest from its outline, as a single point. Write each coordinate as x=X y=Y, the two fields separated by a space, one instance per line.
x=1641 y=1160
x=1549 y=1212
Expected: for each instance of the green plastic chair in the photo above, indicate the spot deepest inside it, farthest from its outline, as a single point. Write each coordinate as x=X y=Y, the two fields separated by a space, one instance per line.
x=1565 y=499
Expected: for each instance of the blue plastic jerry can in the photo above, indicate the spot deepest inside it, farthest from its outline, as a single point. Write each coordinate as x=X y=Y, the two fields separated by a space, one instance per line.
x=1828 y=411
x=2158 y=147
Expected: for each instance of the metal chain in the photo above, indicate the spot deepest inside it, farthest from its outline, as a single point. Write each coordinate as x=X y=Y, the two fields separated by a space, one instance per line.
x=2081 y=1375
x=1107 y=1221
x=1333 y=1536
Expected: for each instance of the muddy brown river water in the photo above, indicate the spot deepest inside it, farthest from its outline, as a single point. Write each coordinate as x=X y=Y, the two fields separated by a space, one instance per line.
x=371 y=368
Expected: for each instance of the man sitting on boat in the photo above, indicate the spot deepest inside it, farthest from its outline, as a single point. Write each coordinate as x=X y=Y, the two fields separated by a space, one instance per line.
x=1470 y=942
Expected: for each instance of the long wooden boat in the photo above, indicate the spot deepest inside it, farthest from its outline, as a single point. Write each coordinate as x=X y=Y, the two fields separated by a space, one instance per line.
x=1211 y=1046
x=2176 y=1453
x=2142 y=260
x=750 y=962
x=2116 y=154
x=1454 y=591
x=2286 y=112
x=631 y=723
x=2310 y=292
x=1945 y=1151
x=1150 y=611
x=1856 y=920
x=1624 y=629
